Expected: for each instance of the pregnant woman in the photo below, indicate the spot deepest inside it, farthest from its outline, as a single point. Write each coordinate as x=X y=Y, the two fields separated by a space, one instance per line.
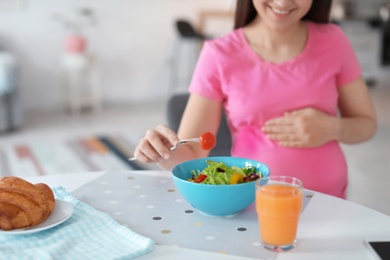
x=292 y=90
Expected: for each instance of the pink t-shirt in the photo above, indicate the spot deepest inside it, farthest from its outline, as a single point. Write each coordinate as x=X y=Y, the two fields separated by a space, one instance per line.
x=253 y=91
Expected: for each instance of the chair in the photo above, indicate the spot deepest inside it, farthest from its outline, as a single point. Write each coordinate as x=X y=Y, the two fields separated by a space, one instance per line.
x=175 y=108
x=10 y=105
x=186 y=30
x=185 y=54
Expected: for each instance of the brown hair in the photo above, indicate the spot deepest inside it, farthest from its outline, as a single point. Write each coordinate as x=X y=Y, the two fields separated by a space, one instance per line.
x=245 y=12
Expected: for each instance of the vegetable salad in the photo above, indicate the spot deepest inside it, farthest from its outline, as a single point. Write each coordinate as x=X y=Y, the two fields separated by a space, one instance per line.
x=218 y=173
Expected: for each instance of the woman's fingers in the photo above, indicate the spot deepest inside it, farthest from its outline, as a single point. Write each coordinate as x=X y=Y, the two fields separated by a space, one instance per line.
x=300 y=128
x=154 y=146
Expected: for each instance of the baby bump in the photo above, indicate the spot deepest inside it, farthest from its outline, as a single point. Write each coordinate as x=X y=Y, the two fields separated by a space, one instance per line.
x=321 y=169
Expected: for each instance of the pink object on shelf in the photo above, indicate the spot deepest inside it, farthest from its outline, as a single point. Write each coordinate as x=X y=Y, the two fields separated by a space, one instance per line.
x=75 y=44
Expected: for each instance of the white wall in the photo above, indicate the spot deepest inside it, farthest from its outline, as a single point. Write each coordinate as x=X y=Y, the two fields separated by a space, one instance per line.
x=133 y=40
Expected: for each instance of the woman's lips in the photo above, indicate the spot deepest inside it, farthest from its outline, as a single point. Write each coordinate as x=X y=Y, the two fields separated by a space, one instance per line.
x=278 y=11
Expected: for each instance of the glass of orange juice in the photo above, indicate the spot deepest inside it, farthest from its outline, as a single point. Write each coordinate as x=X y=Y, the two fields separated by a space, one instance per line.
x=278 y=205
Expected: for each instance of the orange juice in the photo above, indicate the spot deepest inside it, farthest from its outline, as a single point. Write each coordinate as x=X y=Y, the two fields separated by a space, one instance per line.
x=278 y=207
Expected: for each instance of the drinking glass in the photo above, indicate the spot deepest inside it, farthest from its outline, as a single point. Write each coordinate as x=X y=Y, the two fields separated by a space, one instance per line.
x=278 y=205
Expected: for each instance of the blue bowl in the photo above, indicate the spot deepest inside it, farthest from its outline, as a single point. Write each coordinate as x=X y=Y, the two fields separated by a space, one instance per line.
x=216 y=200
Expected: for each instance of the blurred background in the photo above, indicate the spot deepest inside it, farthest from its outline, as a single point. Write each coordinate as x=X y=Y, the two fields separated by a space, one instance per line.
x=82 y=67
x=133 y=42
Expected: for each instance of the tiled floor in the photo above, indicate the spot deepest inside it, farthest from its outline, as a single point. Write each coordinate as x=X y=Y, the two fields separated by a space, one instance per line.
x=369 y=162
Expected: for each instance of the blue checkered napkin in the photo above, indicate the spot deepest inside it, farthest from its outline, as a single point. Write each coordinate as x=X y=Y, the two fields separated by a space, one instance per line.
x=87 y=234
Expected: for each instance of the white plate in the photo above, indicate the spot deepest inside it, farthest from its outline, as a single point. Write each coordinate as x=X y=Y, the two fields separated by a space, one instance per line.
x=61 y=212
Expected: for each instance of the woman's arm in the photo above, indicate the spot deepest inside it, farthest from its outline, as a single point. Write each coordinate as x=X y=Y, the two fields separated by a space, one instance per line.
x=201 y=115
x=358 y=118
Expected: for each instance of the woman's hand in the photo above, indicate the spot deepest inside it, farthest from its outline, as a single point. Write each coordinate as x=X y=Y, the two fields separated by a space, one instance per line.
x=154 y=146
x=307 y=127
x=310 y=127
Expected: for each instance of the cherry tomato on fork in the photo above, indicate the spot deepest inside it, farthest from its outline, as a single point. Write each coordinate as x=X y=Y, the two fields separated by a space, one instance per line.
x=207 y=141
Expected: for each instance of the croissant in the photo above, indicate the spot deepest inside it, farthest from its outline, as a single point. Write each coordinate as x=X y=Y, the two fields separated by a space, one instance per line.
x=23 y=204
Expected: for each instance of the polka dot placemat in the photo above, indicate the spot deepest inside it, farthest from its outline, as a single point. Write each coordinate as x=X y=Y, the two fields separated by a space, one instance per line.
x=151 y=206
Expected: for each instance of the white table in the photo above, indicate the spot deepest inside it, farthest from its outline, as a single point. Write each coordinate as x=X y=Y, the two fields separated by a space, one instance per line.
x=330 y=228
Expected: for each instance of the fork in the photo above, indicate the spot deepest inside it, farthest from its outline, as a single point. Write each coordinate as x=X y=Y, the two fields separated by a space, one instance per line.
x=197 y=140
